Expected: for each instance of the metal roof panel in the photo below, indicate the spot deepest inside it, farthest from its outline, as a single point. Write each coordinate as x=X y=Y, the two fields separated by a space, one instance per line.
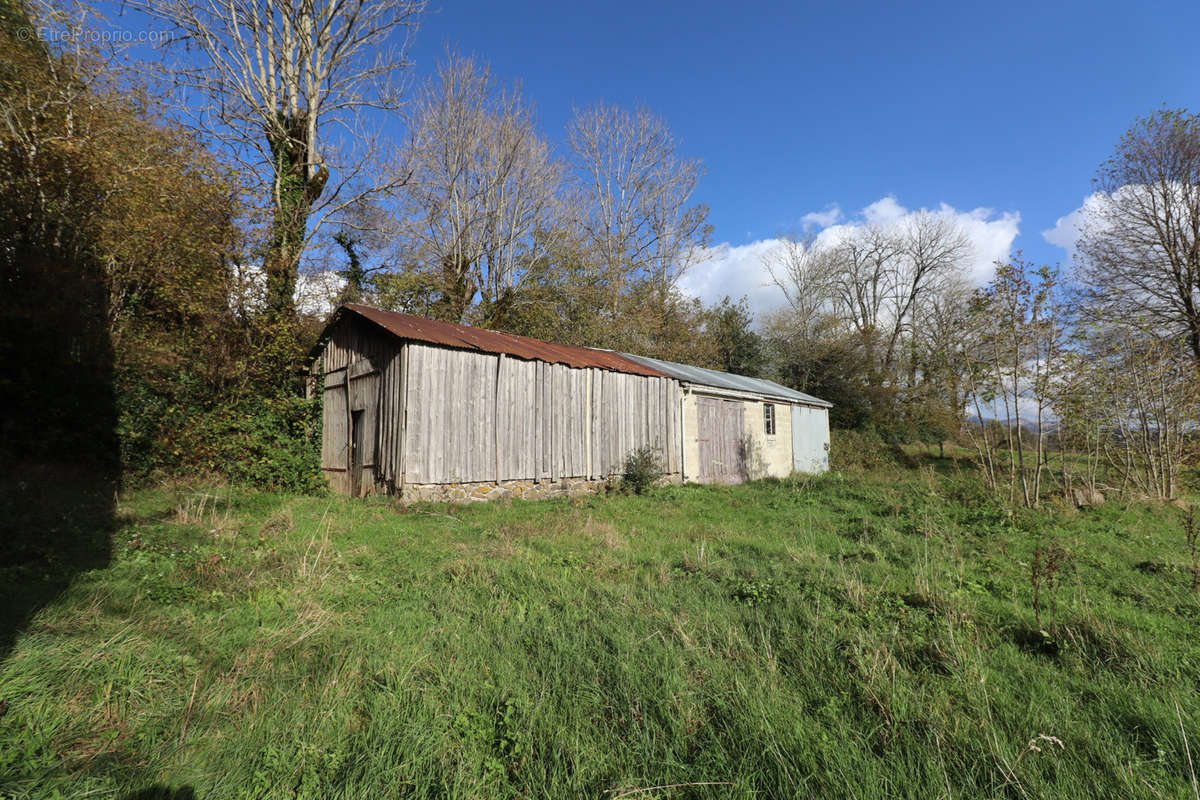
x=726 y=380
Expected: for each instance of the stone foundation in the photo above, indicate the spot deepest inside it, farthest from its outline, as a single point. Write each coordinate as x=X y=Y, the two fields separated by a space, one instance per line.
x=525 y=490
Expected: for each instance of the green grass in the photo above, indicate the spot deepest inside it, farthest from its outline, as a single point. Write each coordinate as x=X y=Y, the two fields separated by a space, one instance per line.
x=866 y=635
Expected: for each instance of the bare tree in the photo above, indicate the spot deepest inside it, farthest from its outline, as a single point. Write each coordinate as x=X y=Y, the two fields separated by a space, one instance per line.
x=483 y=184
x=878 y=275
x=863 y=275
x=887 y=299
x=632 y=195
x=1140 y=243
x=1016 y=335
x=934 y=249
x=938 y=355
x=801 y=269
x=278 y=75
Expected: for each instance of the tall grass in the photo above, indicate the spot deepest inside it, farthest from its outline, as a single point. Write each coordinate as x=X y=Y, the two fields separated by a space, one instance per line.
x=867 y=635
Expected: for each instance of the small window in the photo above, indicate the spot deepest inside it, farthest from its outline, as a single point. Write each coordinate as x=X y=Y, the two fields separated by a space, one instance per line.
x=769 y=418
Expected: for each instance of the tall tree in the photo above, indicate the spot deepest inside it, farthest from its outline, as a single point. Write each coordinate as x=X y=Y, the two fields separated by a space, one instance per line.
x=482 y=186
x=1140 y=243
x=739 y=348
x=937 y=361
x=934 y=250
x=278 y=77
x=800 y=269
x=632 y=195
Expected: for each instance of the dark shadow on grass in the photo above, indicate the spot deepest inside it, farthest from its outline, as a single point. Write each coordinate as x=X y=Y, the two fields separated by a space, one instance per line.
x=1034 y=640
x=57 y=522
x=58 y=444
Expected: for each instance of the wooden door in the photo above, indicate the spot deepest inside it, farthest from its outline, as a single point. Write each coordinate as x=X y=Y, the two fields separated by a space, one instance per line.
x=721 y=429
x=364 y=408
x=357 y=449
x=351 y=414
x=335 y=433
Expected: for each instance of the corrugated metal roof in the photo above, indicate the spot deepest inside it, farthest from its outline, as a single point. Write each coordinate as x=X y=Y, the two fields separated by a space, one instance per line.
x=407 y=326
x=725 y=380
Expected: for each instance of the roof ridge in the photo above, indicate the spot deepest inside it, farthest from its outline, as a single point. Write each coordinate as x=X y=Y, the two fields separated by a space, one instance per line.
x=726 y=380
x=470 y=337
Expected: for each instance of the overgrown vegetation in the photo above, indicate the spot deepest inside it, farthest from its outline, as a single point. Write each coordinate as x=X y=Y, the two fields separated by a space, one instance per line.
x=643 y=468
x=134 y=338
x=903 y=627
x=869 y=634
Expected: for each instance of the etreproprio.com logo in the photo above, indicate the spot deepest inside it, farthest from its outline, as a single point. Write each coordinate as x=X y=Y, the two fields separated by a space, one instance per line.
x=91 y=36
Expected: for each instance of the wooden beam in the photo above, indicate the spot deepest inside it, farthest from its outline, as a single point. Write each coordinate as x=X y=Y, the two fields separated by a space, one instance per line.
x=496 y=438
x=403 y=412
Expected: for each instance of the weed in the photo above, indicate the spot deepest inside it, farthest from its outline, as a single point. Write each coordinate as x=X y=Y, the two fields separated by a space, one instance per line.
x=1044 y=567
x=755 y=593
x=643 y=468
x=1191 y=532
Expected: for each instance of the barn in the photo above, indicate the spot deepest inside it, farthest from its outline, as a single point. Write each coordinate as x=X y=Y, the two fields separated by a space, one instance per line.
x=432 y=410
x=745 y=428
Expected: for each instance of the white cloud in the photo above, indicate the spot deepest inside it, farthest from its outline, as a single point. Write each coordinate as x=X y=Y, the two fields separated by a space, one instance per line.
x=316 y=292
x=823 y=219
x=991 y=237
x=737 y=271
x=884 y=210
x=1066 y=230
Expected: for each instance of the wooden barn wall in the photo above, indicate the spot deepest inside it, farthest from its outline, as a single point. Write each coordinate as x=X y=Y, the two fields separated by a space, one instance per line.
x=356 y=364
x=390 y=436
x=357 y=340
x=451 y=416
x=484 y=417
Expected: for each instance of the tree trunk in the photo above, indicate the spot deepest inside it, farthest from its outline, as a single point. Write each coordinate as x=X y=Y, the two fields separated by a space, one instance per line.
x=295 y=193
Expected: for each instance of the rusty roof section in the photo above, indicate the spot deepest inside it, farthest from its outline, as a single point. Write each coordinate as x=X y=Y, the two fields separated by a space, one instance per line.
x=408 y=326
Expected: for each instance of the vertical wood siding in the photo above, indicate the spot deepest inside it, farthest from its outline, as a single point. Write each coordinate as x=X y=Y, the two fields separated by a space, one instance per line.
x=482 y=417
x=334 y=437
x=391 y=416
x=440 y=415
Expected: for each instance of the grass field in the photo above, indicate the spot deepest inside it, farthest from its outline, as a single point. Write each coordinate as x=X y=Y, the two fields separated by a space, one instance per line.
x=859 y=635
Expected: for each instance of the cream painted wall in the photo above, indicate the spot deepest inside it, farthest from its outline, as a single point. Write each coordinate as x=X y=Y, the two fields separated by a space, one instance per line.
x=691 y=439
x=769 y=456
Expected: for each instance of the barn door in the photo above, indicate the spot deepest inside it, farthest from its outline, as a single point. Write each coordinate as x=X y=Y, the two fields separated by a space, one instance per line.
x=721 y=429
x=364 y=407
x=356 y=451
x=335 y=434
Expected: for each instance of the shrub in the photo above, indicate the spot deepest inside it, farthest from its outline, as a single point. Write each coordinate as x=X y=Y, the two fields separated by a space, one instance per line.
x=860 y=450
x=643 y=468
x=269 y=442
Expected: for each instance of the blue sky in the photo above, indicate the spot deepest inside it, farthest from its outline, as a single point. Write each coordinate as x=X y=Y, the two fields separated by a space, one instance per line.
x=797 y=107
x=999 y=113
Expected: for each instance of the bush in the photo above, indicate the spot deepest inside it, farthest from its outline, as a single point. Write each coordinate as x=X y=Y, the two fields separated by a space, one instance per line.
x=643 y=468
x=860 y=450
x=269 y=442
